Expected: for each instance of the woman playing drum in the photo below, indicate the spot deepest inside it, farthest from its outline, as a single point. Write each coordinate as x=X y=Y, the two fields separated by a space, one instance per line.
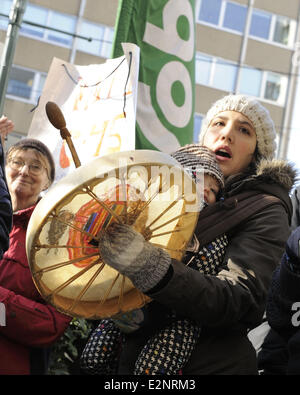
x=241 y=133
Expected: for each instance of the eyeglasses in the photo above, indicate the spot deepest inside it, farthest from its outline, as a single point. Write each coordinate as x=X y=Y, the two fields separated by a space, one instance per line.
x=18 y=164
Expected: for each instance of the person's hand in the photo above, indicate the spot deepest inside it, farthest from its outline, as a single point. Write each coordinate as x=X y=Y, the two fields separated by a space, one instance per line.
x=6 y=126
x=120 y=247
x=126 y=250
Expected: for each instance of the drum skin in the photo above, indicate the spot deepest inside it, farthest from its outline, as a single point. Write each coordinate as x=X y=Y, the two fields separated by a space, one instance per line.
x=145 y=189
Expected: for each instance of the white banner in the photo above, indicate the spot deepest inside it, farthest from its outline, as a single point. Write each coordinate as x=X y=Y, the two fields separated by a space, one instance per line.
x=99 y=105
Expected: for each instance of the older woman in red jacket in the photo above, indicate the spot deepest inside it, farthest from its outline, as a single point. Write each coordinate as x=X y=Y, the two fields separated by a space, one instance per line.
x=31 y=324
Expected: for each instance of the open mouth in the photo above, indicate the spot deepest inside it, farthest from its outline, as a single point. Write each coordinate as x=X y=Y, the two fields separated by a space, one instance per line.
x=223 y=153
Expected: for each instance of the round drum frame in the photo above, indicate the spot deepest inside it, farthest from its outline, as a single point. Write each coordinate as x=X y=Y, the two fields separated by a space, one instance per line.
x=145 y=189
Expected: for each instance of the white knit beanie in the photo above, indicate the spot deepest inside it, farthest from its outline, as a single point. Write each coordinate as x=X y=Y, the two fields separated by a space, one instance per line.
x=255 y=112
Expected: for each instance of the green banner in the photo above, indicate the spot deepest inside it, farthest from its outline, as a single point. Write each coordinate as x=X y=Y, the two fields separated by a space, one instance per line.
x=164 y=30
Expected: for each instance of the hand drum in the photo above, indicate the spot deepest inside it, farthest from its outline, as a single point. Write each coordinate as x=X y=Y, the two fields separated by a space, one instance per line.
x=145 y=189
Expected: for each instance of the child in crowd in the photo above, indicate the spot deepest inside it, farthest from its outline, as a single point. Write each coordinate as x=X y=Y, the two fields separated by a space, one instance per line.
x=169 y=345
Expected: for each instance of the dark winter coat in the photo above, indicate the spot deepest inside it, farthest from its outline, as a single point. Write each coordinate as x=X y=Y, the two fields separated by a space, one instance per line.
x=5 y=208
x=226 y=306
x=280 y=353
x=31 y=325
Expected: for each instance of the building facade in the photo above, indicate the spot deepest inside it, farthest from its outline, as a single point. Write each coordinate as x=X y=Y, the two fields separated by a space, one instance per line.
x=242 y=46
x=248 y=47
x=37 y=46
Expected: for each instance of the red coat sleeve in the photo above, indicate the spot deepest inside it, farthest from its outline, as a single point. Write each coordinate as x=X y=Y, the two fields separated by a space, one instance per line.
x=29 y=322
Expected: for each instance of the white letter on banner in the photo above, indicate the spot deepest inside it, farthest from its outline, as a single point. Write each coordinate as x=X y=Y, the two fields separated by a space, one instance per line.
x=167 y=39
x=170 y=73
x=2 y=315
x=151 y=125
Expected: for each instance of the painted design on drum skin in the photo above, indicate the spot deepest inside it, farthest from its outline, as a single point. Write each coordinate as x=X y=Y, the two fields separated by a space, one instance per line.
x=91 y=218
x=58 y=227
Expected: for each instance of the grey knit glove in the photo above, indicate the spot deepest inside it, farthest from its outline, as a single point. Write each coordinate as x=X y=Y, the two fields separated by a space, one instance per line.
x=126 y=250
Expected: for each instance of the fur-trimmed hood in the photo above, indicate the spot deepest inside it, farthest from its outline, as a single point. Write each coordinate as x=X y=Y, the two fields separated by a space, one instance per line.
x=277 y=171
x=276 y=177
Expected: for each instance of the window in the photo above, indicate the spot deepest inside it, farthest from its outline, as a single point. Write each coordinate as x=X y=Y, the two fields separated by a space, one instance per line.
x=272 y=86
x=52 y=19
x=102 y=36
x=210 y=11
x=197 y=127
x=260 y=24
x=40 y=82
x=282 y=30
x=25 y=84
x=63 y=22
x=5 y=9
x=263 y=84
x=273 y=28
x=223 y=13
x=250 y=81
x=36 y=15
x=235 y=17
x=218 y=73
x=90 y=30
x=102 y=39
x=231 y=15
x=224 y=75
x=20 y=83
x=203 y=67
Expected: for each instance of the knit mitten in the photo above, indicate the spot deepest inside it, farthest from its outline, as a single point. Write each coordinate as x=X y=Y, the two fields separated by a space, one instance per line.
x=126 y=250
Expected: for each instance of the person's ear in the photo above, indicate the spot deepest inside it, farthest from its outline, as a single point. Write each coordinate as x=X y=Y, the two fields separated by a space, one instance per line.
x=255 y=156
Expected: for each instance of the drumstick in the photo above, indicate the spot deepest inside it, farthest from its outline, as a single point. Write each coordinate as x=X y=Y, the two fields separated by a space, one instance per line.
x=57 y=119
